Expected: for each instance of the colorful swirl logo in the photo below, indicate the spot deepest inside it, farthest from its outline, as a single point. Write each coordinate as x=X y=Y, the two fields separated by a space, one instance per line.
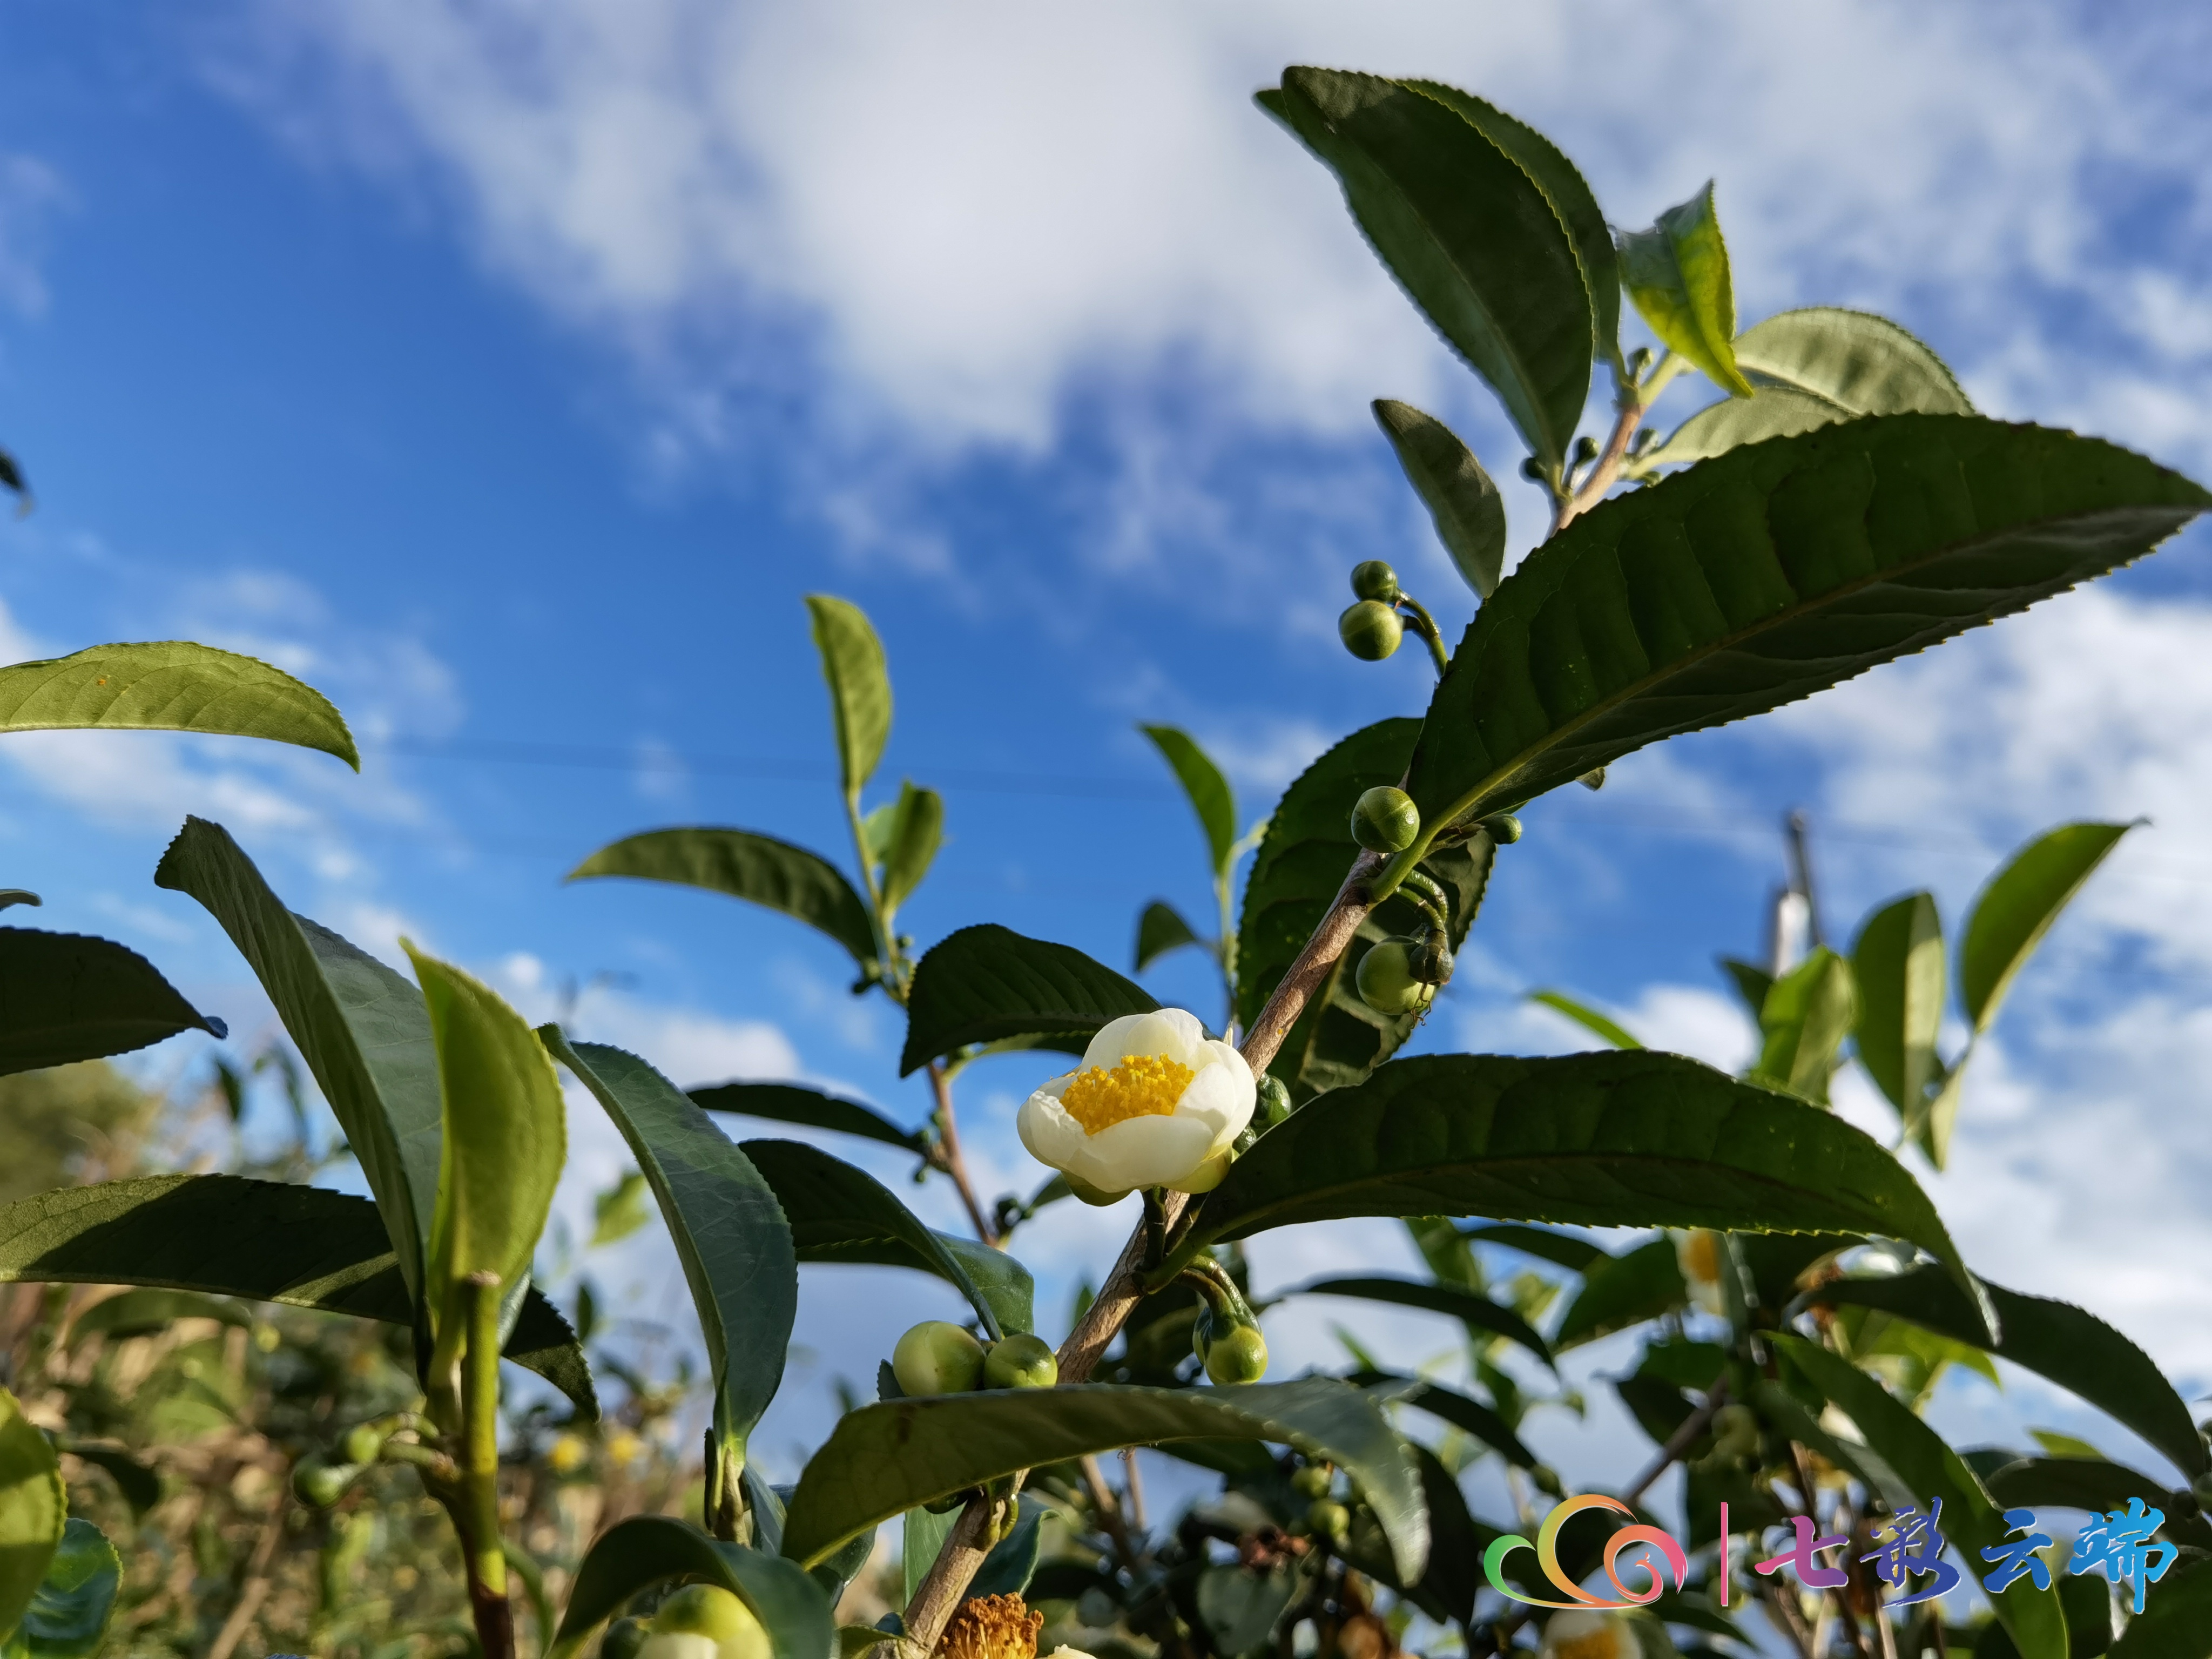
x=1547 y=1557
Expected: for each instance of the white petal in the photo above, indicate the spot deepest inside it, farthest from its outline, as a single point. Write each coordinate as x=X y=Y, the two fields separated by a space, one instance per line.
x=1208 y=1175
x=1221 y=1097
x=1052 y=1136
x=1170 y=1031
x=1142 y=1152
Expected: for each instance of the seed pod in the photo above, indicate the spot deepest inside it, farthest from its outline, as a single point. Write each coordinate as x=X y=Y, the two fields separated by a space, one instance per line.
x=1504 y=828
x=1327 y=1518
x=1020 y=1361
x=1385 y=820
x=1312 y=1481
x=1238 y=1354
x=1430 y=961
x=937 y=1357
x=1369 y=630
x=1374 y=579
x=1387 y=981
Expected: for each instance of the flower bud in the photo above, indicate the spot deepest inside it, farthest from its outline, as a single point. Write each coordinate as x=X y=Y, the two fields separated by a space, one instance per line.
x=1387 y=981
x=1429 y=959
x=1385 y=820
x=1369 y=630
x=1236 y=1354
x=1312 y=1481
x=1327 y=1518
x=1020 y=1361
x=705 y=1621
x=1505 y=828
x=321 y=1484
x=362 y=1443
x=1275 y=1103
x=1374 y=579
x=624 y=1638
x=936 y=1358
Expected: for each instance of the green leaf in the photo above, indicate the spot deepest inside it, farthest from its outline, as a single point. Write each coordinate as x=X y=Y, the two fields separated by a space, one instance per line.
x=506 y=1136
x=1898 y=962
x=66 y=997
x=1208 y=792
x=143 y=1311
x=2073 y=1348
x=1576 y=1255
x=1757 y=578
x=744 y=866
x=2176 y=1622
x=1752 y=984
x=787 y=1103
x=1809 y=1011
x=987 y=981
x=362 y=1029
x=172 y=686
x=1677 y=273
x=1483 y=1317
x=1930 y=1469
x=32 y=1507
x=1470 y=1416
x=1302 y=862
x=887 y=1458
x=70 y=1610
x=1239 y=1605
x=1469 y=512
x=917 y=826
x=1600 y=1139
x=1586 y=1017
x=1469 y=232
x=859 y=688
x=647 y=1550
x=1623 y=1290
x=729 y=1230
x=1012 y=1562
x=1775 y=412
x=841 y=1213
x=1161 y=929
x=2017 y=907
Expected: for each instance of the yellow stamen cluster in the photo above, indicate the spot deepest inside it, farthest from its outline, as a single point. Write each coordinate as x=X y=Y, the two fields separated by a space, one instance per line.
x=1142 y=1085
x=992 y=1627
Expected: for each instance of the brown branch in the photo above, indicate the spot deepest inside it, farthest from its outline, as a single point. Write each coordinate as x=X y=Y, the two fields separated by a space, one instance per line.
x=948 y=1154
x=1679 y=1441
x=1109 y=1512
x=1603 y=476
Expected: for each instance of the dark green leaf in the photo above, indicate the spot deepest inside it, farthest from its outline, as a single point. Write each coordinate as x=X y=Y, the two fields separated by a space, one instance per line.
x=1898 y=964
x=728 y=1229
x=1301 y=864
x=1483 y=1318
x=172 y=686
x=1625 y=1291
x=1576 y=1255
x=1469 y=232
x=787 y=1103
x=362 y=1029
x=2176 y=1622
x=920 y=1538
x=1759 y=578
x=886 y=1459
x=1586 y=1017
x=2017 y=907
x=744 y=866
x=859 y=688
x=1209 y=793
x=1454 y=1576
x=70 y=1610
x=1809 y=1013
x=1470 y=1416
x=840 y=1213
x=647 y=1550
x=1161 y=929
x=139 y=1481
x=988 y=981
x=10 y=896
x=917 y=826
x=2057 y=1340
x=142 y=1312
x=1239 y=1607
x=1932 y=1470
x=1006 y=1570
x=66 y=997
x=2087 y=1483
x=1752 y=984
x=1602 y=1140
x=1677 y=273
x=1469 y=512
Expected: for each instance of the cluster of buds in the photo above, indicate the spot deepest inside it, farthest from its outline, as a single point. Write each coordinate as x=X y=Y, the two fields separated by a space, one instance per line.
x=321 y=1481
x=937 y=1357
x=1381 y=612
x=1326 y=1515
x=1400 y=974
x=1226 y=1336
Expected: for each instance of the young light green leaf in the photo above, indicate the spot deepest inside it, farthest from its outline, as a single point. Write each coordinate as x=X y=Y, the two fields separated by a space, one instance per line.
x=1161 y=929
x=1469 y=232
x=172 y=686
x=1468 y=511
x=917 y=826
x=1809 y=1013
x=840 y=1213
x=787 y=1103
x=506 y=1136
x=70 y=1609
x=1898 y=962
x=1483 y=1317
x=1623 y=1290
x=859 y=687
x=620 y=1210
x=729 y=1232
x=647 y=1550
x=886 y=1459
x=32 y=1507
x=1208 y=792
x=2017 y=907
x=67 y=997
x=1586 y=1017
x=1677 y=273
x=1930 y=1469
x=362 y=1029
x=986 y=982
x=1757 y=578
x=745 y=866
x=1604 y=1139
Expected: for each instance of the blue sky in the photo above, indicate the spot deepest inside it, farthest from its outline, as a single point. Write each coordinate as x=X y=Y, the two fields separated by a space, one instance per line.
x=511 y=371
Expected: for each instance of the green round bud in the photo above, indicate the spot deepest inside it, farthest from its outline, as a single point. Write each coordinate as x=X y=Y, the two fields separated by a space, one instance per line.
x=321 y=1484
x=1312 y=1481
x=1369 y=630
x=936 y=1358
x=624 y=1638
x=1387 y=981
x=1374 y=579
x=710 y=1611
x=1327 y=1518
x=1237 y=1355
x=1275 y=1103
x=1505 y=828
x=1385 y=820
x=1021 y=1361
x=362 y=1443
